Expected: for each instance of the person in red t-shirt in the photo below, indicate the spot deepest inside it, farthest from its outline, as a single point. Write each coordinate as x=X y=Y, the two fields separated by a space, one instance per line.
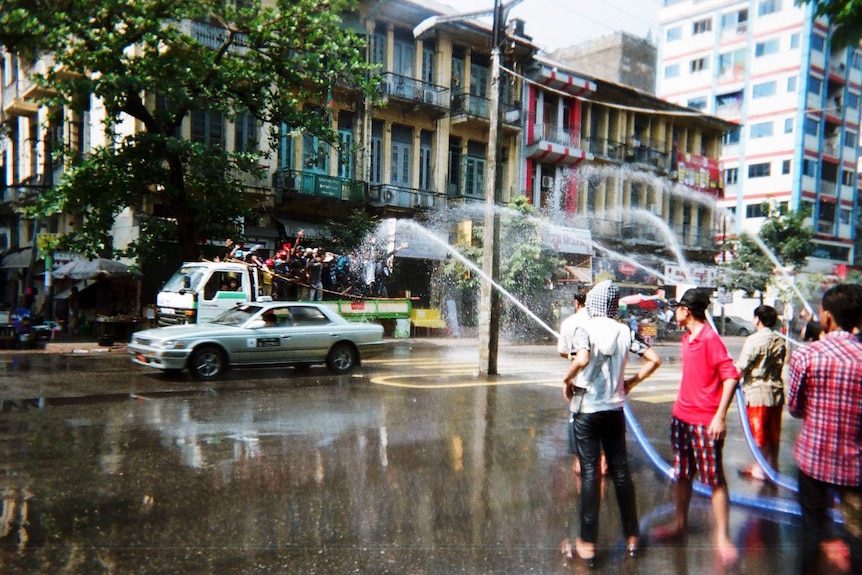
x=698 y=428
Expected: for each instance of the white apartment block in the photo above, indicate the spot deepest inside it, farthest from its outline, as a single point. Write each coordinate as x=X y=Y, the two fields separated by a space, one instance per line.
x=770 y=66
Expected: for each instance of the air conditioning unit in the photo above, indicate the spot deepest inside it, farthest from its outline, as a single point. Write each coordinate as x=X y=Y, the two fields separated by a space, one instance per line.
x=741 y=28
x=547 y=182
x=429 y=96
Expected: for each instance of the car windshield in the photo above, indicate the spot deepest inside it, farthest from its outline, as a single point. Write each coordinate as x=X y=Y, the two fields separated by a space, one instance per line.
x=185 y=278
x=238 y=315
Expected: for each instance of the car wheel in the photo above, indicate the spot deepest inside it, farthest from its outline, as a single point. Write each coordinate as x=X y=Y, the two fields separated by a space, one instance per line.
x=207 y=362
x=341 y=358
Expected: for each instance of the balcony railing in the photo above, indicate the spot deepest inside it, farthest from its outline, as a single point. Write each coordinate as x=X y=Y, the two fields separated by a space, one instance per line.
x=479 y=107
x=319 y=185
x=214 y=37
x=547 y=133
x=641 y=153
x=403 y=197
x=634 y=233
x=413 y=90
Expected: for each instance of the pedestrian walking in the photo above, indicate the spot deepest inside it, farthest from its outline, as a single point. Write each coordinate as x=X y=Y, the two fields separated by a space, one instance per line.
x=698 y=426
x=825 y=391
x=760 y=365
x=596 y=388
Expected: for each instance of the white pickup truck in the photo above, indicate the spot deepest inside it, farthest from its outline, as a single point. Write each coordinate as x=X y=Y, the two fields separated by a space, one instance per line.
x=200 y=291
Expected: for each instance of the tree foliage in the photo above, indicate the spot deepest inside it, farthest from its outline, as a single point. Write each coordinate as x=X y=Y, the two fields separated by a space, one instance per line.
x=844 y=15
x=157 y=63
x=787 y=239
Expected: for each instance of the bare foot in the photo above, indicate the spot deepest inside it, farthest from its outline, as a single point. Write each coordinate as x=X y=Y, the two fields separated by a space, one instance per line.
x=586 y=551
x=837 y=554
x=727 y=552
x=566 y=550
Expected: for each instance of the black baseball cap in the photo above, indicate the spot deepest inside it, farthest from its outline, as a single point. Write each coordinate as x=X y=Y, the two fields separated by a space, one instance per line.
x=694 y=299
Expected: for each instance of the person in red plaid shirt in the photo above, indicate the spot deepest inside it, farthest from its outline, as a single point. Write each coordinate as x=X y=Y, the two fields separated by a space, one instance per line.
x=825 y=391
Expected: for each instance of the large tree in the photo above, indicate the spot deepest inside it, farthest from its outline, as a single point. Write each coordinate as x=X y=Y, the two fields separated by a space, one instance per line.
x=782 y=245
x=844 y=15
x=159 y=62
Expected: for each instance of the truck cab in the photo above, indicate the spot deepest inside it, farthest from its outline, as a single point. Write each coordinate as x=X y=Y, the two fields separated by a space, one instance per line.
x=200 y=291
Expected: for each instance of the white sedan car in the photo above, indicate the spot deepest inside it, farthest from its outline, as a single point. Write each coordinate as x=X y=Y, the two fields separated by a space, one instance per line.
x=259 y=334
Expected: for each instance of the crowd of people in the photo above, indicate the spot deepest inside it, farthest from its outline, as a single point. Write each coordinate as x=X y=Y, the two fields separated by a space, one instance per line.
x=824 y=390
x=297 y=272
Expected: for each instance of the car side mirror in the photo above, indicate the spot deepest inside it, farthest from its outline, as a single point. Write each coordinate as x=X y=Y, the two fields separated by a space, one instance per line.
x=256 y=324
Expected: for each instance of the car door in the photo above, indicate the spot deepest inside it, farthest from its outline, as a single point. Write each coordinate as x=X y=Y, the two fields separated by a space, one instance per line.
x=273 y=343
x=313 y=333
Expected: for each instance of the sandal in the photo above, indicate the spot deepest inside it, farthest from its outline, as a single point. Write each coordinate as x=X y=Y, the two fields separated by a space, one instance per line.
x=566 y=550
x=588 y=559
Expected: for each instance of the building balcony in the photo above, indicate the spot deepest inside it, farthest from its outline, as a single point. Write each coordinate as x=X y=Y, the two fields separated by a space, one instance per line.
x=400 y=89
x=383 y=195
x=214 y=37
x=550 y=144
x=469 y=108
x=297 y=182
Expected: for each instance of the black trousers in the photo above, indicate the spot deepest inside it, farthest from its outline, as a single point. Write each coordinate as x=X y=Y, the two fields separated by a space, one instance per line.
x=815 y=498
x=595 y=432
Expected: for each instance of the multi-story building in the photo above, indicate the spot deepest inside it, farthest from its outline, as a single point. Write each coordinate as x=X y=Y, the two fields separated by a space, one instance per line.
x=424 y=147
x=618 y=57
x=638 y=173
x=770 y=66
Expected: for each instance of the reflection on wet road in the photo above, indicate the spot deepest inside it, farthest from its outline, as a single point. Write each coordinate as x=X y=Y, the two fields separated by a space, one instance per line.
x=414 y=464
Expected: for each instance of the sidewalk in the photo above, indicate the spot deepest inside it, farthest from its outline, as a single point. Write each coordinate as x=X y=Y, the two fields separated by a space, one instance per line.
x=69 y=344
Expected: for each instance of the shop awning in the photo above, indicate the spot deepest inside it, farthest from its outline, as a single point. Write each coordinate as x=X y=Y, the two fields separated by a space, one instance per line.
x=292 y=227
x=19 y=258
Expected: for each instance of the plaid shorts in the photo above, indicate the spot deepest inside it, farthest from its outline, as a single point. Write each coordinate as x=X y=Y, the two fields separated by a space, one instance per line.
x=694 y=452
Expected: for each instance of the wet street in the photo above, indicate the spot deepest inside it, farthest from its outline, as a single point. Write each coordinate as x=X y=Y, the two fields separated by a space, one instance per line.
x=411 y=465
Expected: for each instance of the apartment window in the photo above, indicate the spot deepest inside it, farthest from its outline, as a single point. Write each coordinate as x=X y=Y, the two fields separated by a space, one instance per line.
x=794 y=41
x=426 y=160
x=755 y=211
x=844 y=216
x=791 y=84
x=814 y=84
x=852 y=100
x=378 y=49
x=766 y=48
x=699 y=64
x=246 y=137
x=671 y=71
x=697 y=103
x=766 y=7
x=761 y=130
x=375 y=175
x=848 y=178
x=701 y=26
x=856 y=59
x=812 y=126
x=732 y=19
x=401 y=156
x=851 y=139
x=809 y=167
x=829 y=171
x=474 y=166
x=730 y=137
x=788 y=126
x=763 y=90
x=208 y=128
x=731 y=176
x=674 y=33
x=758 y=170
x=733 y=99
x=785 y=167
x=818 y=42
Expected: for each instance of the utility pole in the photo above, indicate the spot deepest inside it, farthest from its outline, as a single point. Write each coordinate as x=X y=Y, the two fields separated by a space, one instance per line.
x=489 y=301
